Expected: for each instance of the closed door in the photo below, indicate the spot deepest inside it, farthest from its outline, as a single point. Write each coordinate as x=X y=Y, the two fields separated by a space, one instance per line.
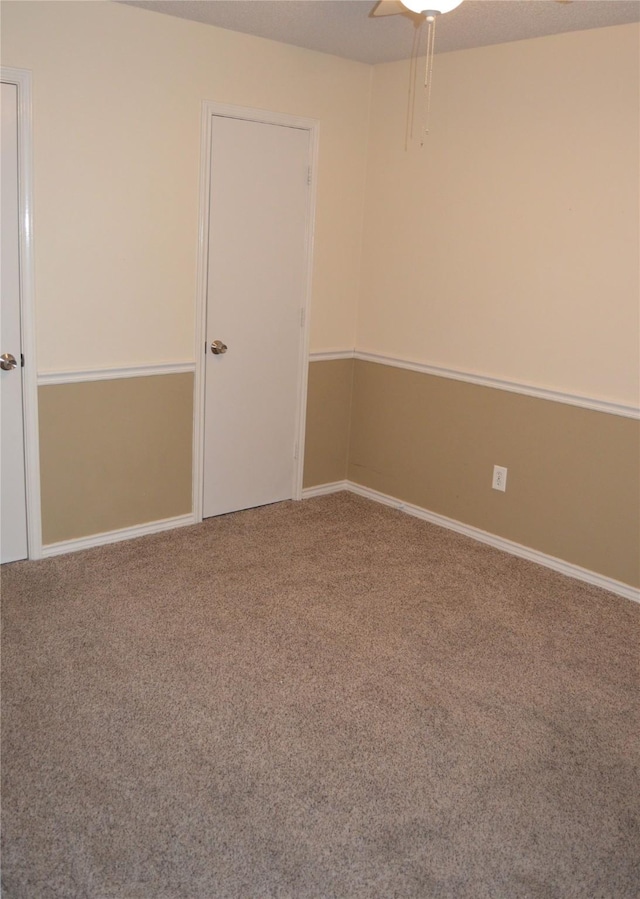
x=13 y=514
x=257 y=258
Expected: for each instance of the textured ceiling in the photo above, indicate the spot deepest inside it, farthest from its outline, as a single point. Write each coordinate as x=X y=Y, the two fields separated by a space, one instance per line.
x=346 y=28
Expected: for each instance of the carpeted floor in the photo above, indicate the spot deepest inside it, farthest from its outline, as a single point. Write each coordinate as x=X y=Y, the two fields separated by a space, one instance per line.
x=317 y=699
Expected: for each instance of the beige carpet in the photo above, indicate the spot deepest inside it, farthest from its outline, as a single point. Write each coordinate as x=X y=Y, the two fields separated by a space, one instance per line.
x=317 y=699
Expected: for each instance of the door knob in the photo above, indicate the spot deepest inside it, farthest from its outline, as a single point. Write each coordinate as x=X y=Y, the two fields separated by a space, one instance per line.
x=8 y=362
x=218 y=348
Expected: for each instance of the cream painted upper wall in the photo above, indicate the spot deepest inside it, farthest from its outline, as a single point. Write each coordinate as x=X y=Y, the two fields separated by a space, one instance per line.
x=117 y=97
x=508 y=245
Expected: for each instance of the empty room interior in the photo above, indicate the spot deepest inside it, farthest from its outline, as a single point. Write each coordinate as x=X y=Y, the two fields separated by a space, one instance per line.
x=327 y=543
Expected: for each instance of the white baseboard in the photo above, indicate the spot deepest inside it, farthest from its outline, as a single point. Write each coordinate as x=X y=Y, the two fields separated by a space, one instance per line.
x=324 y=489
x=139 y=530
x=508 y=546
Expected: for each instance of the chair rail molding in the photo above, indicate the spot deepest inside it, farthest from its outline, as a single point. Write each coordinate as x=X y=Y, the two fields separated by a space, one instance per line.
x=78 y=376
x=542 y=393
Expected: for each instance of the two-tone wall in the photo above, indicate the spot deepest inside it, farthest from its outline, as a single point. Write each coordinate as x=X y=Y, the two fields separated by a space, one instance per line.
x=499 y=307
x=474 y=301
x=117 y=95
x=430 y=441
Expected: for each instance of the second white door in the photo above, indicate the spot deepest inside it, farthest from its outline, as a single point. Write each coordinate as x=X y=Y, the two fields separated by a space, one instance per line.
x=13 y=511
x=257 y=266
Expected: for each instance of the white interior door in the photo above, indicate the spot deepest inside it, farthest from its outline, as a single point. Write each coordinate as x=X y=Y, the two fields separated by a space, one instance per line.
x=256 y=280
x=13 y=514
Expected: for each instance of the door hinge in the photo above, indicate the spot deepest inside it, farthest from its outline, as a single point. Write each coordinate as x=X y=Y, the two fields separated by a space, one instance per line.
x=309 y=175
x=302 y=318
x=295 y=450
x=21 y=360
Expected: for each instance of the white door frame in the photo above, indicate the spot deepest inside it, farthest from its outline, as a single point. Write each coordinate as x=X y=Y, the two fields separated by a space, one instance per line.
x=209 y=110
x=22 y=78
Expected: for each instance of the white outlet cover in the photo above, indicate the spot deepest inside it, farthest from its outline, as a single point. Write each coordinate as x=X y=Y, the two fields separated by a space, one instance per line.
x=499 y=478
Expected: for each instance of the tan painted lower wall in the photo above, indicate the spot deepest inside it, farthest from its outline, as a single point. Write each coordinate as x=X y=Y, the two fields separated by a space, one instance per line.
x=328 y=419
x=118 y=453
x=573 y=486
x=114 y=454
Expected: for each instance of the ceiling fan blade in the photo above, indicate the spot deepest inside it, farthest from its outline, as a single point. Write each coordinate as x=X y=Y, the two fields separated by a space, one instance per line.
x=388 y=8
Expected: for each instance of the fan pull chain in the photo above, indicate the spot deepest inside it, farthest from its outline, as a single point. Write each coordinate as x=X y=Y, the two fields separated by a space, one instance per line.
x=411 y=100
x=428 y=73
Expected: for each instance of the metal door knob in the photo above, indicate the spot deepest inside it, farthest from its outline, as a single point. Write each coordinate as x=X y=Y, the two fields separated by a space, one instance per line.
x=8 y=362
x=218 y=348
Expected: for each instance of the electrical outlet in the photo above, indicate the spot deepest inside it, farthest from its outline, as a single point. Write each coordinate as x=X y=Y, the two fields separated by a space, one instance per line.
x=499 y=478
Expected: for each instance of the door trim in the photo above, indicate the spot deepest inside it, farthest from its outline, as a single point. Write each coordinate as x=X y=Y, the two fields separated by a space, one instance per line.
x=22 y=79
x=209 y=110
